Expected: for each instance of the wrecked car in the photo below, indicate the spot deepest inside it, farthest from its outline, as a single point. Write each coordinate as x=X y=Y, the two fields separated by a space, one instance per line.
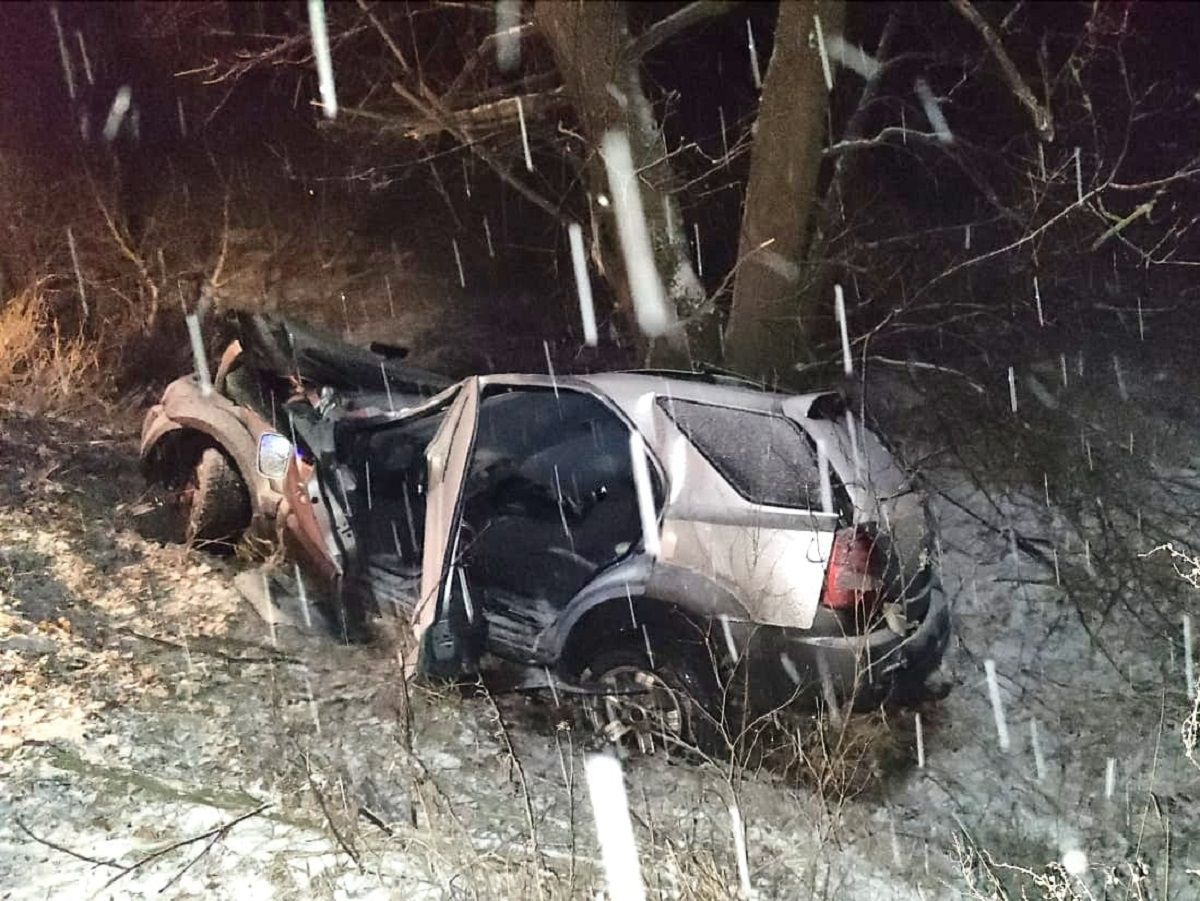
x=659 y=534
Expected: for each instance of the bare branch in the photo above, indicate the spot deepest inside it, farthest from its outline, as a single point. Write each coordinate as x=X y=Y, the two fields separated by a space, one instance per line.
x=433 y=109
x=476 y=121
x=98 y=861
x=882 y=138
x=1042 y=119
x=665 y=29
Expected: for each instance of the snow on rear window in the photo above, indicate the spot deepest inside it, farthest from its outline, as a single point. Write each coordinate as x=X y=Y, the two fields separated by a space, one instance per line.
x=765 y=457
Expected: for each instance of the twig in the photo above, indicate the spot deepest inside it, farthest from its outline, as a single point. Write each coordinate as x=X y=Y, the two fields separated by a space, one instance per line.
x=375 y=819
x=666 y=28
x=65 y=850
x=273 y=657
x=215 y=833
x=1042 y=119
x=190 y=863
x=520 y=771
x=917 y=364
x=342 y=841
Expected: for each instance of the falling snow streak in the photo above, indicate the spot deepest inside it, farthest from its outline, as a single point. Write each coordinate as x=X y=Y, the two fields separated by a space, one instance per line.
x=199 y=357
x=920 y=742
x=755 y=71
x=724 y=136
x=739 y=845
x=387 y=387
x=487 y=234
x=1012 y=389
x=1189 y=667
x=550 y=369
x=320 y=43
x=827 y=691
x=730 y=644
x=826 y=70
x=462 y=277
x=117 y=112
x=993 y=684
x=64 y=54
x=933 y=111
x=645 y=494
x=614 y=829
x=649 y=300
x=583 y=284
x=524 y=134
x=826 y=481
x=312 y=705
x=78 y=272
x=302 y=591
x=839 y=307
x=468 y=604
x=562 y=510
x=83 y=55
x=1121 y=389
x=1039 y=759
x=699 y=258
x=270 y=603
x=850 y=55
x=1075 y=862
x=1037 y=299
x=508 y=37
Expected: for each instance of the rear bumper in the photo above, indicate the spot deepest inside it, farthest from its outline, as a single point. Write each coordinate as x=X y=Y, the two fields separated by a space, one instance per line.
x=787 y=665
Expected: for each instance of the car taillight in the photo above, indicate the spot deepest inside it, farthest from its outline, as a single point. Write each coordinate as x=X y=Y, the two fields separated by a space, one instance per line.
x=854 y=579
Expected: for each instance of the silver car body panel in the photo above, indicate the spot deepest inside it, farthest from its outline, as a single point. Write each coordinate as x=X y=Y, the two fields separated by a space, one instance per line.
x=772 y=559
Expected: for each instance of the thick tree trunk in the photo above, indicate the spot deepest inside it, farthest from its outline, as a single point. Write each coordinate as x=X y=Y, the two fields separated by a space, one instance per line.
x=771 y=323
x=590 y=41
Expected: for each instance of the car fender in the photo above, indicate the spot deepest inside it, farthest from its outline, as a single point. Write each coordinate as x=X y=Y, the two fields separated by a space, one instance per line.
x=234 y=430
x=632 y=583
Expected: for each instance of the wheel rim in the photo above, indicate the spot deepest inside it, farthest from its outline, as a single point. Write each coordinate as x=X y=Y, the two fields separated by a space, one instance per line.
x=643 y=712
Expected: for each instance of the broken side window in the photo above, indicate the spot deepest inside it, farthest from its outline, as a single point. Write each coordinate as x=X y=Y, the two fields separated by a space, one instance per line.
x=767 y=458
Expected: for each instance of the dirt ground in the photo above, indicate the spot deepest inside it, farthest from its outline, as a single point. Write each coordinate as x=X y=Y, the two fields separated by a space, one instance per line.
x=158 y=739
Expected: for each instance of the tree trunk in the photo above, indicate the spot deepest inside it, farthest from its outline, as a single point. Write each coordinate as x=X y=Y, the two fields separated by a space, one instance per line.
x=590 y=41
x=775 y=293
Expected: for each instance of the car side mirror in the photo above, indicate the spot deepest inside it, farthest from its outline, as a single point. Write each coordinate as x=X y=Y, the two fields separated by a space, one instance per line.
x=274 y=454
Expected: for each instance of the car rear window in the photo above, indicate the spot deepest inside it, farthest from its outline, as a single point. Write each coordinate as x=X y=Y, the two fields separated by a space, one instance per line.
x=767 y=458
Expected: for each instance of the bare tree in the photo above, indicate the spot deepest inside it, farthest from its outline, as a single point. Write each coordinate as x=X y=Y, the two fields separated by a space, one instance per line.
x=601 y=73
x=771 y=320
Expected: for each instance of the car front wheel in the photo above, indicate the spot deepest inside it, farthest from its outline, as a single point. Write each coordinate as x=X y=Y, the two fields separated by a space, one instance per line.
x=213 y=504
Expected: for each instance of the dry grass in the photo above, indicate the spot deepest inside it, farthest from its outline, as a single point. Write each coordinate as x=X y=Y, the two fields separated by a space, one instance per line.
x=41 y=370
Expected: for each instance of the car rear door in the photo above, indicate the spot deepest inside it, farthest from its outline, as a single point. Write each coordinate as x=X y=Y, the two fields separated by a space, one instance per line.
x=747 y=507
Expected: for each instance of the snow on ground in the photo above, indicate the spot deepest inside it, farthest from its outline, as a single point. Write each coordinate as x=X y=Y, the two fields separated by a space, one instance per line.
x=155 y=742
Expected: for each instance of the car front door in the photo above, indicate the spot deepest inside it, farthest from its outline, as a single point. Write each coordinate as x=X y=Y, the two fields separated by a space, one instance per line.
x=446 y=461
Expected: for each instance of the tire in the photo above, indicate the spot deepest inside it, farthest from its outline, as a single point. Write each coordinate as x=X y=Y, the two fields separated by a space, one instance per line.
x=680 y=687
x=214 y=504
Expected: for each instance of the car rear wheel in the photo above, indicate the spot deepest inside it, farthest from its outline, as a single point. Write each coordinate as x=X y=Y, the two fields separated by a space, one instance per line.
x=213 y=504
x=669 y=702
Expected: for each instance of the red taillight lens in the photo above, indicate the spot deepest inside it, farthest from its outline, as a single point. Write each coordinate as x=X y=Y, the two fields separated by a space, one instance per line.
x=854 y=580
